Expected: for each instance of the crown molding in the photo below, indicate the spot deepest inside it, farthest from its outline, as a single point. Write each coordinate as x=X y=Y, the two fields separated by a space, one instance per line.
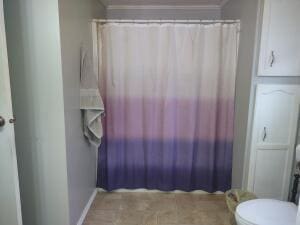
x=104 y=2
x=223 y=2
x=164 y=7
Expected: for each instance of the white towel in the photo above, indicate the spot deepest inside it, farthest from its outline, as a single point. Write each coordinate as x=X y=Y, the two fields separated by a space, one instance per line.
x=90 y=101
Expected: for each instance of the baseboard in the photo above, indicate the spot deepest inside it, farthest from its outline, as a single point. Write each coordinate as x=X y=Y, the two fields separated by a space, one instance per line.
x=87 y=208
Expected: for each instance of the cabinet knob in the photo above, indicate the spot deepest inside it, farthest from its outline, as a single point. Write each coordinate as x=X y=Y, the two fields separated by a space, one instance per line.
x=2 y=121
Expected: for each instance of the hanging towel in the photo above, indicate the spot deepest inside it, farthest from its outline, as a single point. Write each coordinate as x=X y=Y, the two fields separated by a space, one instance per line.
x=91 y=103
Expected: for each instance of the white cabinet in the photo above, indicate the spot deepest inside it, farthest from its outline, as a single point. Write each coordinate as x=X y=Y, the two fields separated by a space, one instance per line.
x=280 y=40
x=273 y=140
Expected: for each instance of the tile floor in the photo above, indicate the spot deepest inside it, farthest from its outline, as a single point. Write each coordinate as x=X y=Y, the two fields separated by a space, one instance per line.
x=158 y=209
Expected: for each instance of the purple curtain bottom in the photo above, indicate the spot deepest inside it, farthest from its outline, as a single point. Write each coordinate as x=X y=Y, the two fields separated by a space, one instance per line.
x=165 y=165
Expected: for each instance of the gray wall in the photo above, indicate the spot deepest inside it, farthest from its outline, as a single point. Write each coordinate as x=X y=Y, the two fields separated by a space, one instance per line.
x=36 y=77
x=163 y=14
x=247 y=12
x=75 y=18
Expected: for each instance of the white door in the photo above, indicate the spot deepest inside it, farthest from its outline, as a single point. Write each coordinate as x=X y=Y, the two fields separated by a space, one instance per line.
x=280 y=46
x=273 y=140
x=10 y=210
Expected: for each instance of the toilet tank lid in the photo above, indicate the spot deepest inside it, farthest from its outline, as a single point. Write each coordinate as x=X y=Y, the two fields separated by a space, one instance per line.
x=268 y=211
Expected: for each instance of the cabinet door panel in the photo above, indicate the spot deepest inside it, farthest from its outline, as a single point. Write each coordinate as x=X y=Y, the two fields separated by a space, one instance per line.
x=270 y=173
x=280 y=46
x=273 y=118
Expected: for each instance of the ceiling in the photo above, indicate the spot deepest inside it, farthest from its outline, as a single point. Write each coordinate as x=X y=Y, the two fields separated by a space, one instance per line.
x=163 y=2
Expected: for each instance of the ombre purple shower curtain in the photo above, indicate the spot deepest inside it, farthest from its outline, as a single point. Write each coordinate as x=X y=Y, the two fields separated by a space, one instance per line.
x=168 y=90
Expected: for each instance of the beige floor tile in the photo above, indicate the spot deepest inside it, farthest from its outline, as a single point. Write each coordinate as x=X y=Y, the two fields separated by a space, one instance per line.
x=107 y=204
x=163 y=204
x=136 y=204
x=150 y=218
x=131 y=217
x=97 y=223
x=167 y=217
x=158 y=209
x=209 y=206
x=102 y=215
x=110 y=195
x=188 y=217
x=138 y=195
x=210 y=218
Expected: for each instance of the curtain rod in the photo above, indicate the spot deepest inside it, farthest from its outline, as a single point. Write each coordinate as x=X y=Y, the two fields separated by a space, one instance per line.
x=163 y=21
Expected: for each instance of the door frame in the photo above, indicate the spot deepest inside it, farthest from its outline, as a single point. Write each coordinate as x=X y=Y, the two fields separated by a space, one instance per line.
x=9 y=126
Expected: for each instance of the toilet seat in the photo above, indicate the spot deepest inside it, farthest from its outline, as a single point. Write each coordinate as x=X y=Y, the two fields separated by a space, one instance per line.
x=266 y=212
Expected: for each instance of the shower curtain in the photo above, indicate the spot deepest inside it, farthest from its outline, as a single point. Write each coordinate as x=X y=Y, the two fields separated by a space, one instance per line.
x=168 y=91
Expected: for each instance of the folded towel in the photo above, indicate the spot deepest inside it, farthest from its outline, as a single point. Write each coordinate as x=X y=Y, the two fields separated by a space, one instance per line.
x=90 y=101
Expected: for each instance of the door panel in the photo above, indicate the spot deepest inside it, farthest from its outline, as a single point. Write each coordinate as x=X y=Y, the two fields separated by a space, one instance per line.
x=273 y=118
x=270 y=173
x=280 y=46
x=274 y=132
x=10 y=210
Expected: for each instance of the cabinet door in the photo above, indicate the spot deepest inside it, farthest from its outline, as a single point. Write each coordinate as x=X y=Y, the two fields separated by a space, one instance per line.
x=280 y=45
x=273 y=140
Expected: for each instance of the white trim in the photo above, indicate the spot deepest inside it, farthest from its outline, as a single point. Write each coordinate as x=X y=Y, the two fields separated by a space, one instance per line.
x=224 y=2
x=163 y=7
x=252 y=101
x=87 y=208
x=9 y=130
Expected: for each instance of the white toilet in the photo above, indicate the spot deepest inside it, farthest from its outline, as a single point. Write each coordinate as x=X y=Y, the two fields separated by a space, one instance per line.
x=266 y=212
